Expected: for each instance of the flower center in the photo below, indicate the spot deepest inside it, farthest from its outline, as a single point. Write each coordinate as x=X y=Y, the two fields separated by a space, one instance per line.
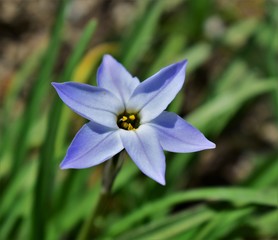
x=128 y=121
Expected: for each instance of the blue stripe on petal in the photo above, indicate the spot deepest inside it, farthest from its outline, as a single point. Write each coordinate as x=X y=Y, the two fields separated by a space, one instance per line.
x=94 y=103
x=153 y=95
x=114 y=77
x=92 y=145
x=176 y=135
x=144 y=149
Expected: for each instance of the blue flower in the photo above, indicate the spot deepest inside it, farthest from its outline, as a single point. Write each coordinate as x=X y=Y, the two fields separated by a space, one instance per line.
x=126 y=114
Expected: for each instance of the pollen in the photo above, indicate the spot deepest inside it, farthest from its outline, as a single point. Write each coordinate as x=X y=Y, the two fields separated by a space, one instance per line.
x=128 y=121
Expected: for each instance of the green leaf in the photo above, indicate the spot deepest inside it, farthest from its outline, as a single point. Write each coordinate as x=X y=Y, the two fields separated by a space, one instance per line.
x=135 y=45
x=46 y=172
x=265 y=172
x=237 y=196
x=266 y=224
x=223 y=223
x=238 y=34
x=170 y=226
x=39 y=89
x=226 y=102
x=196 y=56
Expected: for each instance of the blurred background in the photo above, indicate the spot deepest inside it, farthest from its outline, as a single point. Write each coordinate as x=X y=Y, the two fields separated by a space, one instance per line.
x=230 y=94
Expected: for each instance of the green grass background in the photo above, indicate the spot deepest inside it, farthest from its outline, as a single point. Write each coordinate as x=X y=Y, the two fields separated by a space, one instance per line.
x=232 y=80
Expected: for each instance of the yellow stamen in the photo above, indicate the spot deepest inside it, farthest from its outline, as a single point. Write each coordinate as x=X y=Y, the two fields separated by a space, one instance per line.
x=125 y=125
x=123 y=119
x=128 y=121
x=130 y=127
x=132 y=117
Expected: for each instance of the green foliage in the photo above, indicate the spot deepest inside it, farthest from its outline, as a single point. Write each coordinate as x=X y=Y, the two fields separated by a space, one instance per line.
x=227 y=77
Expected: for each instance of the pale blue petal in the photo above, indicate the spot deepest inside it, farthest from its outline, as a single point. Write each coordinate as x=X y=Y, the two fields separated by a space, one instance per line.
x=153 y=95
x=114 y=77
x=92 y=145
x=176 y=135
x=94 y=103
x=144 y=149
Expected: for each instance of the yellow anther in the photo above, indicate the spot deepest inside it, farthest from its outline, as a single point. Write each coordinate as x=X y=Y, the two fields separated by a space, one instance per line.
x=132 y=117
x=130 y=127
x=123 y=119
x=125 y=125
x=128 y=121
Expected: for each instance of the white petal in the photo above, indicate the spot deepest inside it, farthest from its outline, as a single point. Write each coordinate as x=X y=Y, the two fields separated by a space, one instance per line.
x=153 y=95
x=94 y=103
x=114 y=77
x=92 y=145
x=144 y=149
x=176 y=135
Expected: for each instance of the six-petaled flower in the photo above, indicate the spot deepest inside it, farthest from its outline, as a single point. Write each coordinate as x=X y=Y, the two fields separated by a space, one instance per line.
x=126 y=114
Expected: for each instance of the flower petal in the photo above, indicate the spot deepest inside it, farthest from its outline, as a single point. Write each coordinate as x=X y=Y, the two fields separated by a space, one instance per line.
x=94 y=103
x=92 y=145
x=114 y=77
x=144 y=149
x=176 y=135
x=153 y=95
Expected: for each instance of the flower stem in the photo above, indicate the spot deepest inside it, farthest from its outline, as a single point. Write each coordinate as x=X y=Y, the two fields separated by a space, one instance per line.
x=91 y=228
x=111 y=170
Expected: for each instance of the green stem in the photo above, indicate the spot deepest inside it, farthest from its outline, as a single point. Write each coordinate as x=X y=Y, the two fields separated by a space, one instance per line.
x=91 y=227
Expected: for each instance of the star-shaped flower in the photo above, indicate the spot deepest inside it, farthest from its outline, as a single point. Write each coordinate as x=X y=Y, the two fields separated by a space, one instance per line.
x=126 y=114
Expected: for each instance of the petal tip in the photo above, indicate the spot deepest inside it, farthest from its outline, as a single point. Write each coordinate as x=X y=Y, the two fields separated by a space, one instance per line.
x=162 y=182
x=65 y=164
x=212 y=145
x=108 y=57
x=159 y=179
x=209 y=145
x=54 y=84
x=57 y=85
x=183 y=63
x=62 y=166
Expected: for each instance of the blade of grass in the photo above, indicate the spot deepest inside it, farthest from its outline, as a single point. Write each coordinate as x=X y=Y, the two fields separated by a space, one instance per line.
x=196 y=55
x=223 y=223
x=22 y=182
x=267 y=223
x=272 y=56
x=237 y=35
x=232 y=76
x=46 y=172
x=182 y=226
x=126 y=174
x=240 y=196
x=174 y=44
x=266 y=34
x=226 y=102
x=265 y=173
x=188 y=235
x=20 y=210
x=177 y=164
x=10 y=100
x=39 y=89
x=76 y=210
x=135 y=45
x=170 y=226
